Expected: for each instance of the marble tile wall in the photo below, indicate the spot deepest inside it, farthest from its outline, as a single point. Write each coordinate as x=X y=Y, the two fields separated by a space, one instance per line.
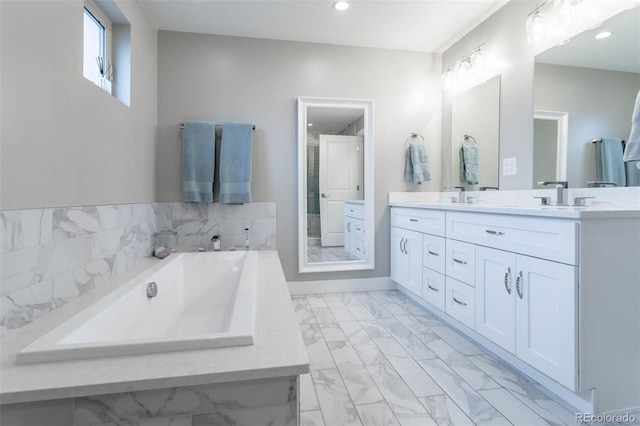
x=197 y=223
x=255 y=402
x=49 y=256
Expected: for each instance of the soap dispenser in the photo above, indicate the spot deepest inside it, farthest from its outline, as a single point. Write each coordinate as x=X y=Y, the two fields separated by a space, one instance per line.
x=214 y=244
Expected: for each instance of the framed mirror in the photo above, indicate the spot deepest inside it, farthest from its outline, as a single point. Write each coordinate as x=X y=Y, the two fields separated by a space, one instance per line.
x=475 y=127
x=584 y=90
x=335 y=185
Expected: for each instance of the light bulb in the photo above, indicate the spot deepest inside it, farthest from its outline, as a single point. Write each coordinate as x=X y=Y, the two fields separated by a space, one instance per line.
x=447 y=80
x=535 y=27
x=478 y=66
x=341 y=5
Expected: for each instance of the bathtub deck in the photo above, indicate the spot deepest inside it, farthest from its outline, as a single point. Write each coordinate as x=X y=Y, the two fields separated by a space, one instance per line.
x=267 y=358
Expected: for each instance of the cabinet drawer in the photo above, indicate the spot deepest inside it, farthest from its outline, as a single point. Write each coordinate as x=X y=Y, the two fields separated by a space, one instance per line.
x=359 y=224
x=551 y=239
x=461 y=261
x=460 y=302
x=359 y=252
x=433 y=288
x=434 y=252
x=354 y=210
x=421 y=220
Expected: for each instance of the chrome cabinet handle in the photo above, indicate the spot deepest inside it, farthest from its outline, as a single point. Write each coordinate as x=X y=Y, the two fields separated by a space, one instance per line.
x=431 y=288
x=492 y=232
x=401 y=241
x=462 y=262
x=405 y=245
x=518 y=288
x=413 y=220
x=459 y=302
x=507 y=280
x=433 y=253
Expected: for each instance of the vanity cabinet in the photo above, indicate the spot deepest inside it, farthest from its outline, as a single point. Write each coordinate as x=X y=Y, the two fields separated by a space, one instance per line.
x=552 y=292
x=527 y=306
x=354 y=229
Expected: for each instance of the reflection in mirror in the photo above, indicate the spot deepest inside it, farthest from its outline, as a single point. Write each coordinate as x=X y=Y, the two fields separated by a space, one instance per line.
x=475 y=127
x=584 y=91
x=335 y=181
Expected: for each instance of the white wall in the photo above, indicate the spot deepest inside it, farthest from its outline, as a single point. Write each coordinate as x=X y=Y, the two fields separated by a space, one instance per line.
x=219 y=78
x=599 y=104
x=63 y=141
x=505 y=43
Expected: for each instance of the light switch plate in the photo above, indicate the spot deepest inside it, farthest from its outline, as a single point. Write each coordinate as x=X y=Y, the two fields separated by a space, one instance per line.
x=509 y=166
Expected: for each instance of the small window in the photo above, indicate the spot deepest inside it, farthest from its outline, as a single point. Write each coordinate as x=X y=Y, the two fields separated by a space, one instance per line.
x=95 y=41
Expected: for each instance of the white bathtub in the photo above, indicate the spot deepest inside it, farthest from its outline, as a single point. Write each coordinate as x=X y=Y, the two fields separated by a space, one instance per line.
x=204 y=300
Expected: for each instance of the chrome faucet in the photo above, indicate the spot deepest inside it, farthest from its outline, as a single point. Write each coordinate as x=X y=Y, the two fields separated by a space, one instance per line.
x=461 y=197
x=600 y=184
x=561 y=186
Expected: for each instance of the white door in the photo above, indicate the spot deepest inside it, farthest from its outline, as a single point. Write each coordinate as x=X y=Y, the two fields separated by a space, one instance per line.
x=399 y=261
x=546 y=317
x=495 y=296
x=340 y=179
x=413 y=250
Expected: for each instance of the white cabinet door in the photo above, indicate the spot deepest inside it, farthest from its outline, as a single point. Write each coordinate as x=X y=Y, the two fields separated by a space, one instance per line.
x=399 y=261
x=546 y=317
x=406 y=259
x=495 y=296
x=349 y=234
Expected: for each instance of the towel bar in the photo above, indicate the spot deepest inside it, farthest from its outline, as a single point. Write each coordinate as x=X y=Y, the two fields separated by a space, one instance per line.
x=253 y=127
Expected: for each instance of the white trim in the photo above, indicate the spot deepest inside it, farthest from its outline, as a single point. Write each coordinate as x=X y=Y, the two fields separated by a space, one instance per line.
x=366 y=105
x=297 y=288
x=562 y=143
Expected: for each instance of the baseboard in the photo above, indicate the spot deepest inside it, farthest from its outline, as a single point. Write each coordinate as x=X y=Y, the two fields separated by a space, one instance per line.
x=298 y=288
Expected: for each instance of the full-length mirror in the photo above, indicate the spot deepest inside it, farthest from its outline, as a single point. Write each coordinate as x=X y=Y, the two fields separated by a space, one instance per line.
x=584 y=91
x=335 y=184
x=475 y=128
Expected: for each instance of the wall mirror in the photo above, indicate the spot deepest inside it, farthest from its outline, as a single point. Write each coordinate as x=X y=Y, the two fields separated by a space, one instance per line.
x=584 y=90
x=475 y=125
x=335 y=185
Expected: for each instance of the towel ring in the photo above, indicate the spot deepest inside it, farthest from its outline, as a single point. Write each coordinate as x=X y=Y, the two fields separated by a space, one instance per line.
x=414 y=136
x=467 y=137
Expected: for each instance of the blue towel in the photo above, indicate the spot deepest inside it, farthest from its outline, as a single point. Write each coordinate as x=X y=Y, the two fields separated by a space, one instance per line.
x=632 y=149
x=469 y=167
x=609 y=164
x=235 y=163
x=198 y=161
x=417 y=165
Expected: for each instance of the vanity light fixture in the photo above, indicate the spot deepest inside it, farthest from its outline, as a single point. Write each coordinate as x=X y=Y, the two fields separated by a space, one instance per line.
x=341 y=5
x=560 y=20
x=603 y=34
x=467 y=72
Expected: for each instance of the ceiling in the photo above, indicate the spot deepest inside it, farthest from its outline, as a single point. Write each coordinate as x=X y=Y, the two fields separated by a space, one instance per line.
x=331 y=120
x=423 y=26
x=620 y=52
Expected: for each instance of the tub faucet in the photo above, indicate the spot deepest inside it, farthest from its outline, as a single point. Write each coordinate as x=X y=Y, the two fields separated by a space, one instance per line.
x=197 y=249
x=561 y=186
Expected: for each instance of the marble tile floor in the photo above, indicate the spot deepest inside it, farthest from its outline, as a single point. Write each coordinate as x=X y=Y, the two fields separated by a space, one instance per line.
x=378 y=358
x=328 y=254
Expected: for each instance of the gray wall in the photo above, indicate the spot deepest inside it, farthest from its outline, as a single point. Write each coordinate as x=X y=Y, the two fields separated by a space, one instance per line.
x=219 y=78
x=505 y=41
x=599 y=104
x=545 y=149
x=63 y=141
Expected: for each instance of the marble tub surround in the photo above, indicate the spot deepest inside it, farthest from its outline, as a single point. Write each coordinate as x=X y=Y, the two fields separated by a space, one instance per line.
x=50 y=256
x=278 y=351
x=197 y=223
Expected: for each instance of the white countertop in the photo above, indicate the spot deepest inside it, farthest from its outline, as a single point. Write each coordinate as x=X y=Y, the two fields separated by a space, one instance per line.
x=278 y=351
x=561 y=212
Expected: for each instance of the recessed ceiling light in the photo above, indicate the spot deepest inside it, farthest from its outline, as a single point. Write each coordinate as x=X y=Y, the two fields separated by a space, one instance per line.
x=562 y=43
x=603 y=34
x=310 y=124
x=341 y=5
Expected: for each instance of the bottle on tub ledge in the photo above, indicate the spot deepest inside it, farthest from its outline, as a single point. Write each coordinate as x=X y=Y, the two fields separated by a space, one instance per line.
x=214 y=244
